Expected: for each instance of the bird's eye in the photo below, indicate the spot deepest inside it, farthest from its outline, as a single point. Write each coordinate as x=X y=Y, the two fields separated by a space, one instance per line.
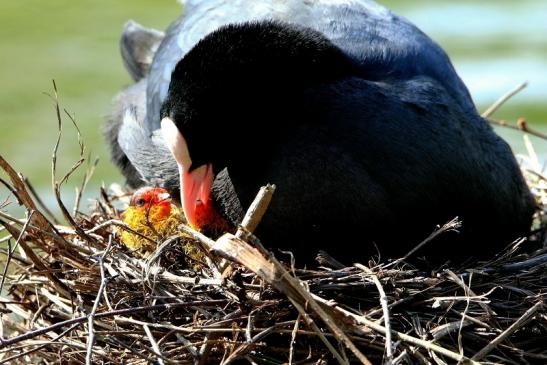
x=140 y=202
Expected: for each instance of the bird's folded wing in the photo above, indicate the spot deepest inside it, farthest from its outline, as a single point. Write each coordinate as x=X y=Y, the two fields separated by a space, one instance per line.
x=147 y=153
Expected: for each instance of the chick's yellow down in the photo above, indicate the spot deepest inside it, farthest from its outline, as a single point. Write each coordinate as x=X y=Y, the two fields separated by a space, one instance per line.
x=151 y=214
x=154 y=217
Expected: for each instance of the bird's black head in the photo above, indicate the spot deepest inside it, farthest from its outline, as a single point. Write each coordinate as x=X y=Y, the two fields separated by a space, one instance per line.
x=235 y=93
x=244 y=80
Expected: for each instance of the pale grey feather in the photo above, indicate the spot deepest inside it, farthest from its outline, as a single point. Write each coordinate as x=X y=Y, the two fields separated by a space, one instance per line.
x=138 y=46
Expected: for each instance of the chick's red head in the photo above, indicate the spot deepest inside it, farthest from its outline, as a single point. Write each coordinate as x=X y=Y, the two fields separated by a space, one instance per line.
x=154 y=203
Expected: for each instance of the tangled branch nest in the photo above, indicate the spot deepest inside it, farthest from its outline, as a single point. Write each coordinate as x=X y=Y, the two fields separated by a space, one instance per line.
x=73 y=294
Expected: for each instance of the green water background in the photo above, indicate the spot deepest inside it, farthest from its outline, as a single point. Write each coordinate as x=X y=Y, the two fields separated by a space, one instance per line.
x=493 y=44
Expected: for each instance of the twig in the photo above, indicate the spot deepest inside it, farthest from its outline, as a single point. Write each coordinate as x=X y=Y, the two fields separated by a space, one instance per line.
x=198 y=236
x=149 y=268
x=12 y=250
x=453 y=225
x=38 y=313
x=498 y=103
x=57 y=185
x=91 y=317
x=105 y=204
x=215 y=327
x=249 y=328
x=121 y=224
x=447 y=328
x=521 y=125
x=402 y=356
x=114 y=340
x=54 y=183
x=275 y=274
x=79 y=191
x=188 y=345
x=309 y=321
x=53 y=233
x=203 y=354
x=257 y=210
x=25 y=353
x=118 y=312
x=23 y=196
x=502 y=336
x=244 y=347
x=468 y=293
x=154 y=344
x=385 y=309
x=293 y=338
x=478 y=322
x=407 y=338
x=22 y=262
x=491 y=314
x=252 y=218
x=40 y=201
x=36 y=260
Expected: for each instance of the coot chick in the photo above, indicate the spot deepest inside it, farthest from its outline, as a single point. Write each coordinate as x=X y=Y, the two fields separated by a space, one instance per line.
x=358 y=161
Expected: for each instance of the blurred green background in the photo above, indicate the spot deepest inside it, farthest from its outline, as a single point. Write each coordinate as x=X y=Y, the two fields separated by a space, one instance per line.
x=493 y=44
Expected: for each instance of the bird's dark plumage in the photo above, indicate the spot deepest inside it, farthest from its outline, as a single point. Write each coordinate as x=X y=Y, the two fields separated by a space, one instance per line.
x=359 y=119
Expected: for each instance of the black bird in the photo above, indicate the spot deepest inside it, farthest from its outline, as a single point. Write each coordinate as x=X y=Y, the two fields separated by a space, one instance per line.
x=357 y=117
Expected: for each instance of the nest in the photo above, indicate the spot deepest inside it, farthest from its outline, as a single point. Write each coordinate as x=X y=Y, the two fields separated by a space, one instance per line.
x=73 y=294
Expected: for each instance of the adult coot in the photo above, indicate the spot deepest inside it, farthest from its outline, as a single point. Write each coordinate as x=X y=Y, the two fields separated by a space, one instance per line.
x=356 y=115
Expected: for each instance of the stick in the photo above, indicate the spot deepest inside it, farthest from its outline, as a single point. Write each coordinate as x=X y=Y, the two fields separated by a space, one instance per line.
x=118 y=312
x=79 y=191
x=154 y=344
x=309 y=321
x=12 y=250
x=453 y=225
x=521 y=125
x=57 y=185
x=205 y=348
x=40 y=201
x=118 y=223
x=36 y=260
x=14 y=357
x=491 y=314
x=407 y=338
x=91 y=319
x=237 y=250
x=293 y=339
x=131 y=349
x=23 y=196
x=385 y=310
x=257 y=209
x=237 y=353
x=498 y=103
x=512 y=328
